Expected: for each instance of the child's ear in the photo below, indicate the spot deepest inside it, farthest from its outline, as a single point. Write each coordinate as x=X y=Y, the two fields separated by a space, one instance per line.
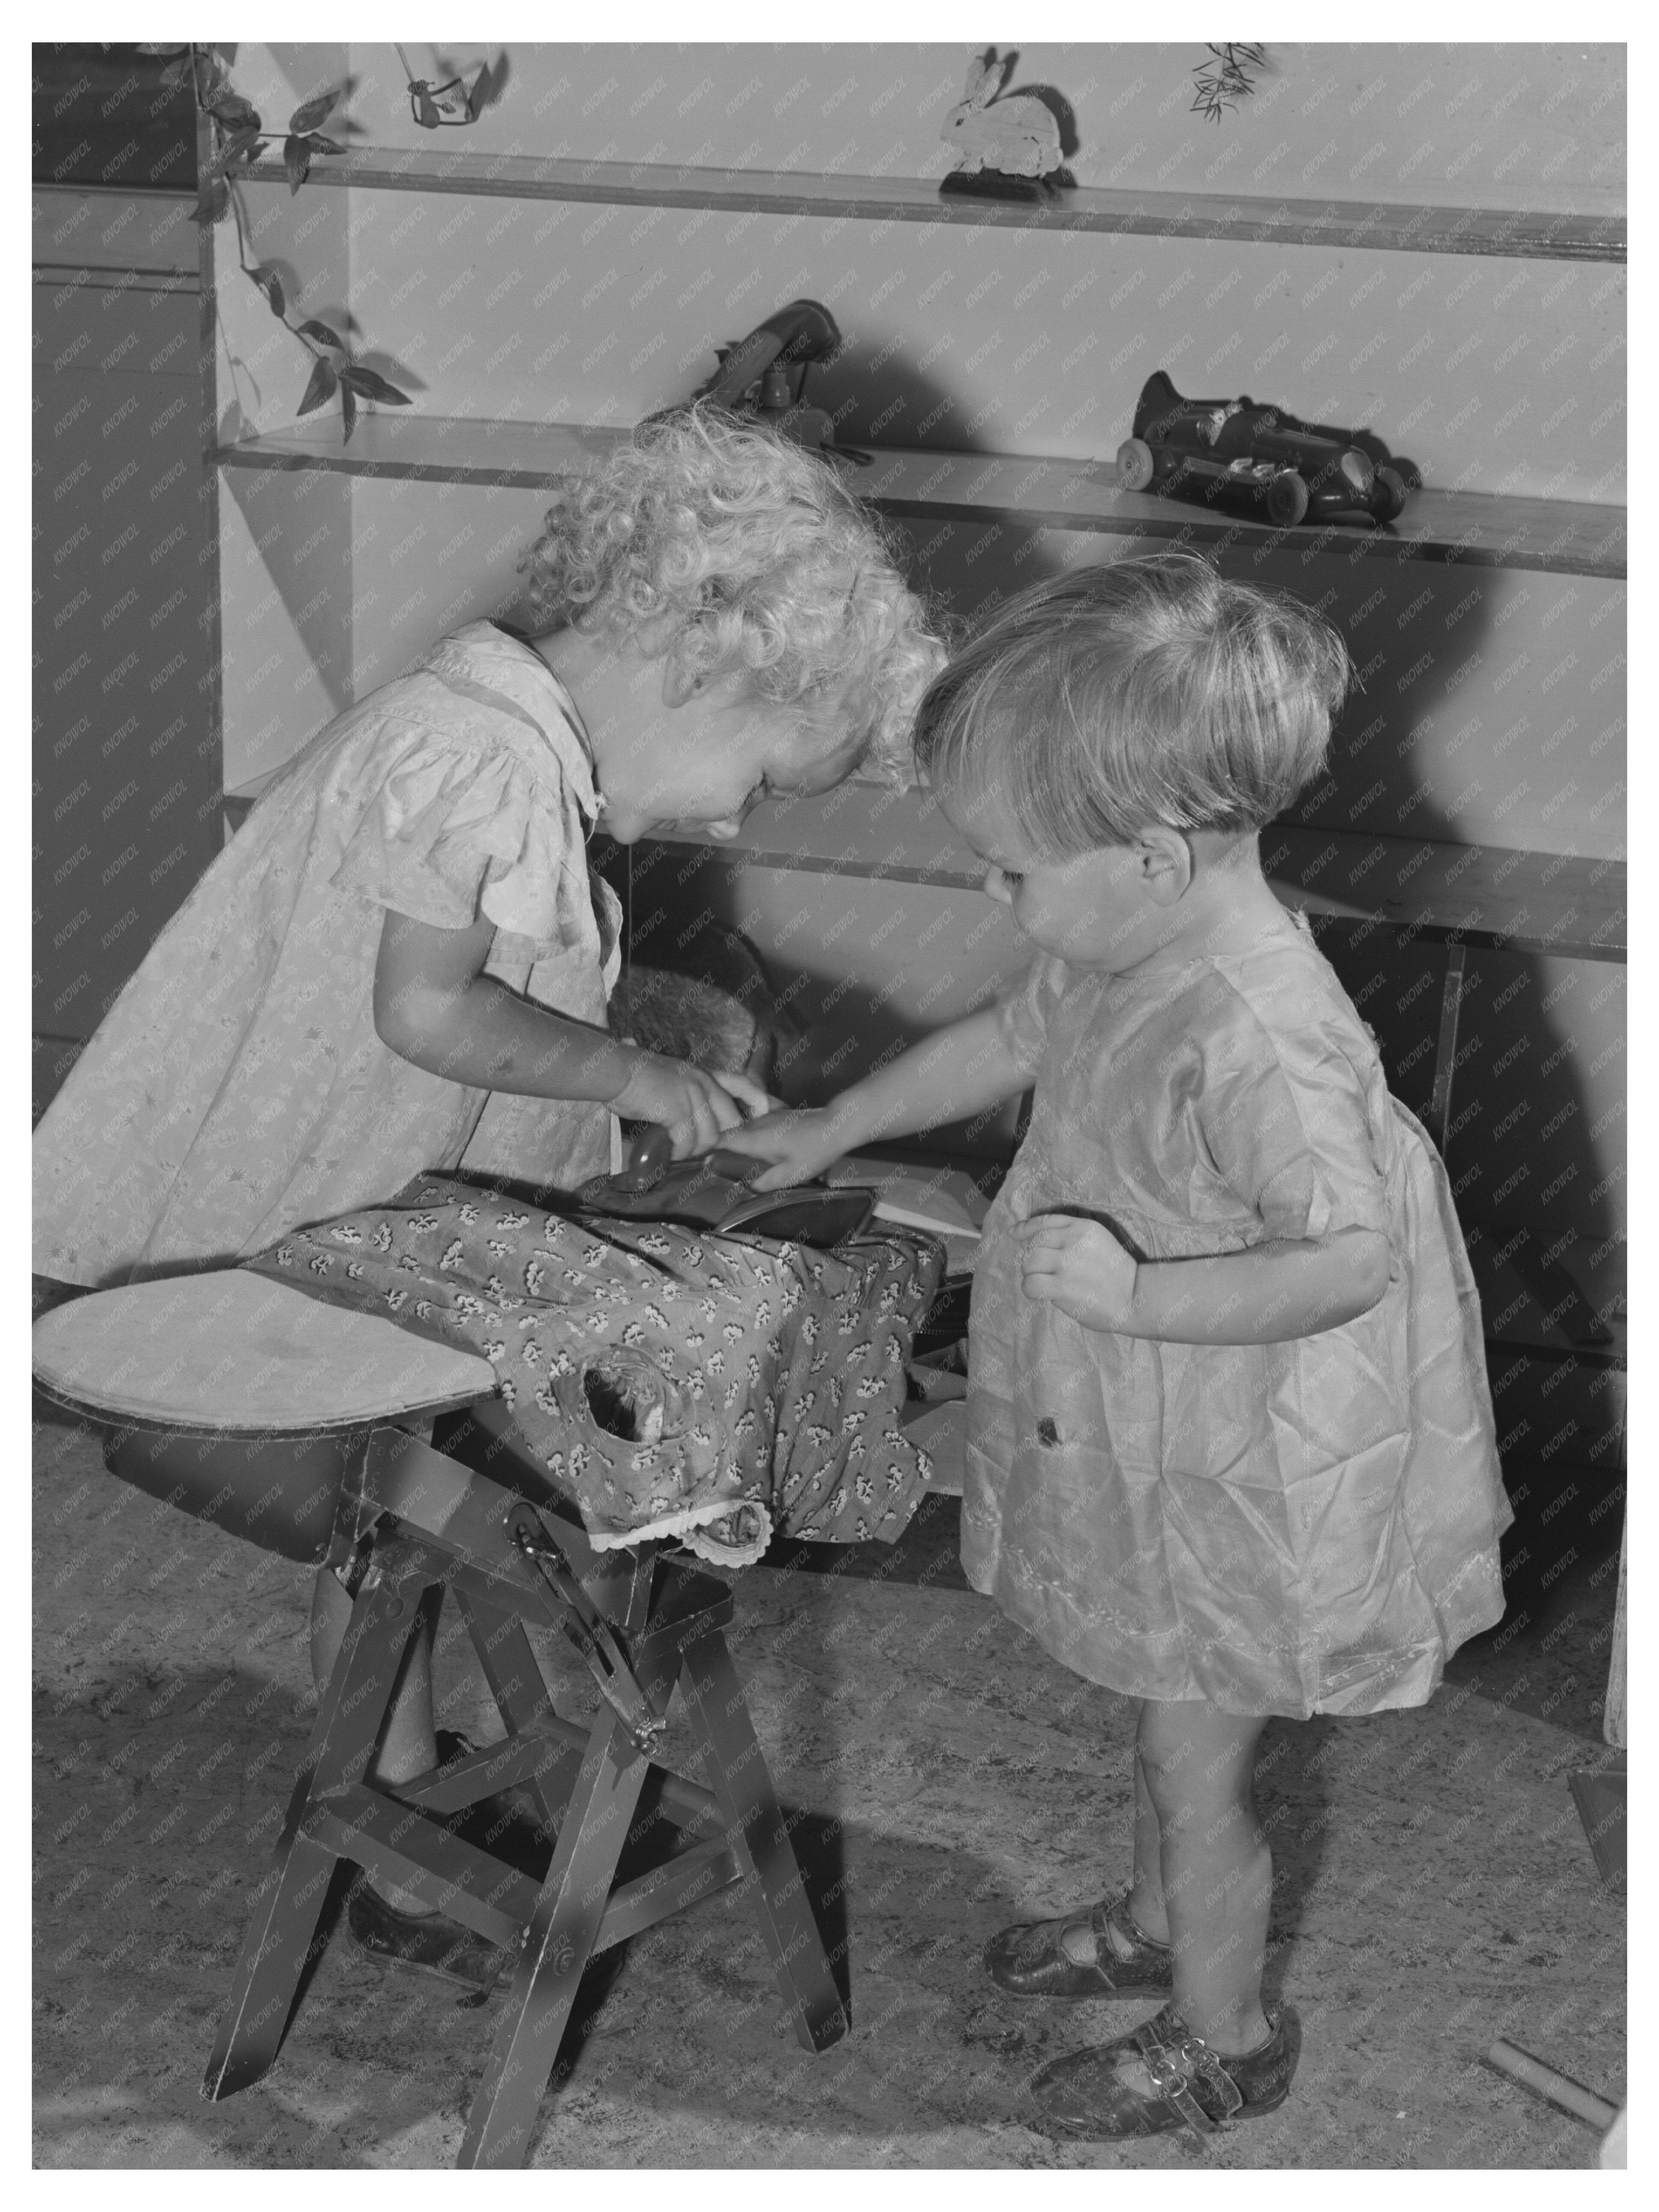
x=682 y=674
x=1164 y=860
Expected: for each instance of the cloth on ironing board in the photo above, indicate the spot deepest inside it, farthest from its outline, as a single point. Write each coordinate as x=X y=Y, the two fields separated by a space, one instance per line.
x=672 y=1381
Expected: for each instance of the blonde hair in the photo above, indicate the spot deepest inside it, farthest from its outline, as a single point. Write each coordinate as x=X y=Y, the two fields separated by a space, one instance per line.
x=752 y=552
x=1133 y=694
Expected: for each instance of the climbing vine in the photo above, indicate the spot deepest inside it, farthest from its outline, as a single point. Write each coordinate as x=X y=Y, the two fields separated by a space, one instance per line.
x=238 y=138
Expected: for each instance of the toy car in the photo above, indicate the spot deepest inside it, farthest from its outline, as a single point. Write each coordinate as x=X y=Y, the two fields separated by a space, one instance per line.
x=1256 y=460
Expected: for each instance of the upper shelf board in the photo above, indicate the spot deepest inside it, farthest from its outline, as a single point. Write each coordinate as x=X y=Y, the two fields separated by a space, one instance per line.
x=1349 y=223
x=1479 y=529
x=1490 y=895
x=1498 y=897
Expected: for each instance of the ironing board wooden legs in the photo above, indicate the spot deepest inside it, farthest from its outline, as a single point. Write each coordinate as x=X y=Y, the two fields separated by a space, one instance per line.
x=750 y=1814
x=441 y=1525
x=289 y=1903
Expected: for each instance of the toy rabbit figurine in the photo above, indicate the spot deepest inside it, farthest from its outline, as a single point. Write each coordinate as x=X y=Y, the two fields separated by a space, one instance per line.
x=1008 y=148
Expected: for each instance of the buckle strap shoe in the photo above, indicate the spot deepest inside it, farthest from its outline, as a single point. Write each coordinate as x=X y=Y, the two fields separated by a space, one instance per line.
x=425 y=1942
x=1032 y=1959
x=1161 y=2076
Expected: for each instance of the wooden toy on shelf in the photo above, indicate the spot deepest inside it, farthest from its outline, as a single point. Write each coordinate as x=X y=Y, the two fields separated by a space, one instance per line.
x=1256 y=460
x=1007 y=148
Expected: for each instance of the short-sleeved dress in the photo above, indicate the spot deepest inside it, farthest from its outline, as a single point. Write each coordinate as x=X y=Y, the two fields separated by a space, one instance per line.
x=1296 y=1528
x=237 y=1087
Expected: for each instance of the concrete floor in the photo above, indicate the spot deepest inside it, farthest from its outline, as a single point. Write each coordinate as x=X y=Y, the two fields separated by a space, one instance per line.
x=1434 y=1889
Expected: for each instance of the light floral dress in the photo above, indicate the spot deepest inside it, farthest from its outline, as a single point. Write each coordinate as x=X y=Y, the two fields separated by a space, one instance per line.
x=237 y=1087
x=1297 y=1528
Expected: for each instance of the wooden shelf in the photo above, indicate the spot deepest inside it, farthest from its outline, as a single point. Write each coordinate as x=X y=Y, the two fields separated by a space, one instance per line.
x=429 y=449
x=1491 y=895
x=1475 y=529
x=1476 y=895
x=81 y=275
x=1267 y=220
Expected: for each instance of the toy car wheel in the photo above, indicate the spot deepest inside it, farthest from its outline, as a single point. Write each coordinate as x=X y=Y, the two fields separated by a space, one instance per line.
x=1388 y=494
x=1287 y=499
x=1135 y=465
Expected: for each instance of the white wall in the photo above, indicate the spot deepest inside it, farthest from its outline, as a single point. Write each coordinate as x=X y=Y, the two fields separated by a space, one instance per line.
x=1492 y=707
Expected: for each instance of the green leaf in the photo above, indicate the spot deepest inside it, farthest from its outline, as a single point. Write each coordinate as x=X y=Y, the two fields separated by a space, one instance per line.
x=321 y=332
x=308 y=116
x=176 y=72
x=426 y=114
x=239 y=146
x=214 y=202
x=318 y=144
x=296 y=160
x=230 y=107
x=272 y=285
x=349 y=409
x=321 y=388
x=371 y=385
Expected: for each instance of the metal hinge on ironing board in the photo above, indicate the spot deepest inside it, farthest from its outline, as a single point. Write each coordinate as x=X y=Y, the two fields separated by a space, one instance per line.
x=591 y=1633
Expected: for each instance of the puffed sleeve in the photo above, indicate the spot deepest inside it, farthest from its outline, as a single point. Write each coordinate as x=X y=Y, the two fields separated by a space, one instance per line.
x=1288 y=1124
x=1022 y=1016
x=455 y=825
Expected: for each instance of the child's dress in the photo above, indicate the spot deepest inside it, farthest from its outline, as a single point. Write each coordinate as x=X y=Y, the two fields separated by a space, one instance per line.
x=1302 y=1527
x=237 y=1087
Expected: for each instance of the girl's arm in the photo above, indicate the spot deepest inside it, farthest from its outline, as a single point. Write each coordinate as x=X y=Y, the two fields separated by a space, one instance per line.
x=1291 y=1287
x=434 y=1006
x=953 y=1073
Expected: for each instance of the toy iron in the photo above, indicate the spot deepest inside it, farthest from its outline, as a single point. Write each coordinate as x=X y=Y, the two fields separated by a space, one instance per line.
x=713 y=1191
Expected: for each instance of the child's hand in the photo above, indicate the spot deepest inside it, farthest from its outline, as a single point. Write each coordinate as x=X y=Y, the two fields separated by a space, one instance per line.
x=697 y=1108
x=1078 y=1265
x=800 y=1145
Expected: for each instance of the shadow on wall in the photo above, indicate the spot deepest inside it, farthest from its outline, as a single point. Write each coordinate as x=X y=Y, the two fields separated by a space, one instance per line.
x=883 y=396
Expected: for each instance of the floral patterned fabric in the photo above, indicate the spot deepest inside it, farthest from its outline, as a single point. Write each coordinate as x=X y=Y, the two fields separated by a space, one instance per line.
x=672 y=1382
x=1296 y=1528
x=237 y=1085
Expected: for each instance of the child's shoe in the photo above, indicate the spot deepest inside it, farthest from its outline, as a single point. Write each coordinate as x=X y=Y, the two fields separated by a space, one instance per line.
x=1031 y=1961
x=1162 y=2075
x=427 y=1942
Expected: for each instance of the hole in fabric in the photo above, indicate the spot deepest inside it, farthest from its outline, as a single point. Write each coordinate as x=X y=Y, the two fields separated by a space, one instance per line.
x=609 y=1404
x=1047 y=1432
x=625 y=1397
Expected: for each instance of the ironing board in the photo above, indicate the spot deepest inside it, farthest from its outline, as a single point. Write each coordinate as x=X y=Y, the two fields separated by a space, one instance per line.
x=300 y=1427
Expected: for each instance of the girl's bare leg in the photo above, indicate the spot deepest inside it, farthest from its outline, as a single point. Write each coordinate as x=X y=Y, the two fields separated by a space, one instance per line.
x=1216 y=1873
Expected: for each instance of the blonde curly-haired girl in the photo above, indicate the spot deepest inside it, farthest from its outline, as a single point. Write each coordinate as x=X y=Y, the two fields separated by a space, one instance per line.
x=401 y=961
